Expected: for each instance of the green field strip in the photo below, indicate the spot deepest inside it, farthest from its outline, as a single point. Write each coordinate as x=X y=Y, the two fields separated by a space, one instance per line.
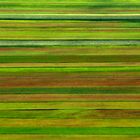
x=70 y=105
x=82 y=4
x=72 y=131
x=68 y=42
x=71 y=114
x=67 y=137
x=77 y=51
x=20 y=24
x=68 y=7
x=68 y=64
x=65 y=51
x=69 y=123
x=125 y=75
x=88 y=17
x=69 y=58
x=13 y=47
x=69 y=29
x=72 y=90
x=68 y=33
x=69 y=1
x=74 y=69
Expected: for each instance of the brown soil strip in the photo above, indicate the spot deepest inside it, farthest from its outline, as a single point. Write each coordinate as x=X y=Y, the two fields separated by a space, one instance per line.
x=69 y=97
x=131 y=114
x=68 y=81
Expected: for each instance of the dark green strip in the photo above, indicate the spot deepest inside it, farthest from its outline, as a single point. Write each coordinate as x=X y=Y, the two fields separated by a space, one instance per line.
x=72 y=131
x=72 y=90
x=69 y=58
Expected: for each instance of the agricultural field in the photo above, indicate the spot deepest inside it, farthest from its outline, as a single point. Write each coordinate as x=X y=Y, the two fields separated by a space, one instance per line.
x=69 y=70
x=70 y=7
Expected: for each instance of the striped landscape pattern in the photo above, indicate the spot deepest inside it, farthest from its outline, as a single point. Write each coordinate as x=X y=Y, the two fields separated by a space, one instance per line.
x=70 y=70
